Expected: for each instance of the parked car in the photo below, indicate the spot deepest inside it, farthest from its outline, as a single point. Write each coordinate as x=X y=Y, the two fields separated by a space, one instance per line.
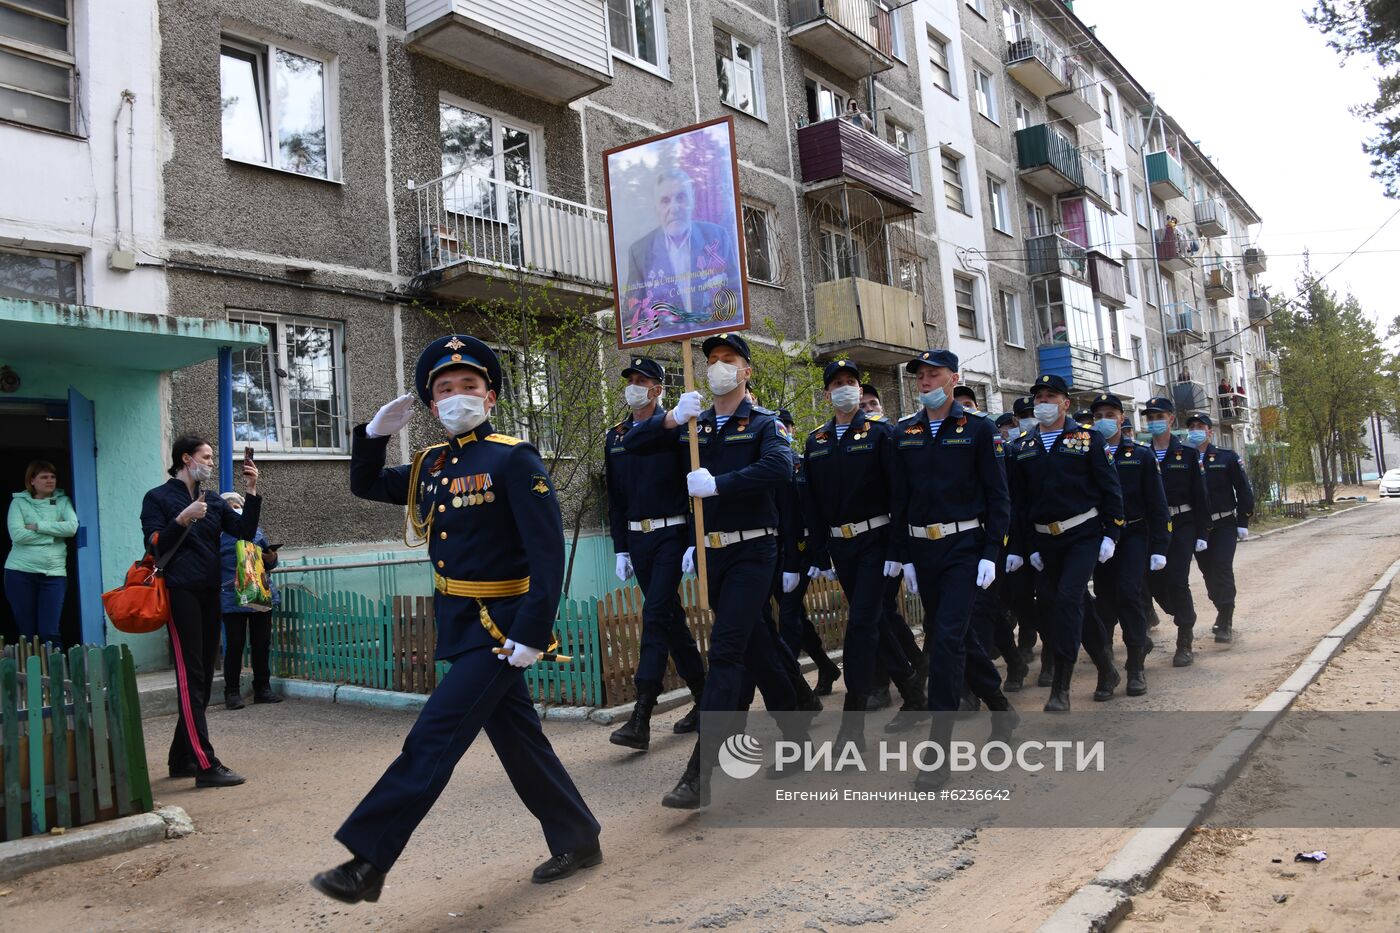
x=1390 y=484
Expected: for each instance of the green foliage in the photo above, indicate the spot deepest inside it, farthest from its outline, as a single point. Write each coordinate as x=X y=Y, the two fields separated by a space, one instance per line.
x=786 y=375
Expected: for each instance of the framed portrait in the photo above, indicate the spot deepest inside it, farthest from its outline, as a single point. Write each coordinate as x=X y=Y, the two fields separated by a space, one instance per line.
x=675 y=228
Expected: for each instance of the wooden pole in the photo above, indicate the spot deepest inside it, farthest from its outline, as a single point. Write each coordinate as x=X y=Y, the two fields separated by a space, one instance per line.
x=697 y=504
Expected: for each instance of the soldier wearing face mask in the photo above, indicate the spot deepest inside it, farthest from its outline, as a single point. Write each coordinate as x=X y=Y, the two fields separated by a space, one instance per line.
x=870 y=402
x=647 y=517
x=1231 y=503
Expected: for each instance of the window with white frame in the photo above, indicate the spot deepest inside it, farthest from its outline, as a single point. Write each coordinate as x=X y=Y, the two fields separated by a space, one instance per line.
x=903 y=139
x=1024 y=118
x=965 y=302
x=1110 y=117
x=1117 y=191
x=998 y=206
x=1011 y=328
x=529 y=407
x=897 y=45
x=760 y=244
x=1129 y=276
x=1130 y=127
x=1013 y=22
x=839 y=257
x=938 y=60
x=739 y=67
x=953 y=192
x=37 y=68
x=290 y=395
x=638 y=30
x=1037 y=221
x=1137 y=356
x=985 y=91
x=278 y=108
x=979 y=7
x=1140 y=206
x=906 y=269
x=41 y=276
x=1114 y=346
x=483 y=148
x=823 y=102
x=1159 y=366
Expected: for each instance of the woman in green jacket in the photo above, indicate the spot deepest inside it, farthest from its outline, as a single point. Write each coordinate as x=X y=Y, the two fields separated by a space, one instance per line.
x=41 y=520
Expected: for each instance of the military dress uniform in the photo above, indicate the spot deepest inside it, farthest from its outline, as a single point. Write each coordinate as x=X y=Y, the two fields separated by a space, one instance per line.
x=488 y=510
x=1066 y=499
x=648 y=518
x=1231 y=504
x=1019 y=587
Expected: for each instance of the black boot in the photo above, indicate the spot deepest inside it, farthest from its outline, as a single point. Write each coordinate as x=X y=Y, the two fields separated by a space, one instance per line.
x=1224 y=619
x=1016 y=671
x=827 y=675
x=880 y=699
x=1059 y=687
x=852 y=723
x=351 y=882
x=807 y=699
x=1047 y=667
x=636 y=732
x=233 y=700
x=940 y=733
x=1109 y=678
x=914 y=709
x=1137 y=679
x=691 y=720
x=969 y=703
x=1183 y=656
x=692 y=791
x=265 y=695
x=561 y=866
x=1005 y=719
x=1153 y=620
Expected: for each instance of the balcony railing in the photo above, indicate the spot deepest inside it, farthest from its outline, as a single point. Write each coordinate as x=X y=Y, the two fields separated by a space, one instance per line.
x=854 y=36
x=869 y=322
x=487 y=227
x=1077 y=105
x=1220 y=282
x=1035 y=60
x=837 y=148
x=1266 y=363
x=1166 y=175
x=1255 y=261
x=1189 y=397
x=1173 y=250
x=1258 y=309
x=1184 y=320
x=1048 y=160
x=1106 y=278
x=1053 y=254
x=1234 y=408
x=1227 y=345
x=1211 y=217
x=1080 y=367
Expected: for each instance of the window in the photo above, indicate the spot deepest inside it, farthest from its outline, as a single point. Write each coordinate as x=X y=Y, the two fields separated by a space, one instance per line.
x=1130 y=127
x=38 y=276
x=1139 y=206
x=1137 y=356
x=1010 y=304
x=1159 y=366
x=839 y=257
x=952 y=182
x=36 y=63
x=527 y=407
x=740 y=71
x=997 y=205
x=760 y=245
x=896 y=32
x=1023 y=114
x=965 y=298
x=638 y=30
x=984 y=89
x=275 y=107
x=289 y=396
x=483 y=149
x=979 y=7
x=906 y=267
x=938 y=58
x=1064 y=311
x=1114 y=345
x=1108 y=110
x=1129 y=276
x=1149 y=285
x=823 y=103
x=1117 y=191
x=1013 y=23
x=902 y=138
x=1037 y=223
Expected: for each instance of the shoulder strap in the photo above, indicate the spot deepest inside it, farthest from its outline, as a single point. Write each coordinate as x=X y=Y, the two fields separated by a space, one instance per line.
x=163 y=560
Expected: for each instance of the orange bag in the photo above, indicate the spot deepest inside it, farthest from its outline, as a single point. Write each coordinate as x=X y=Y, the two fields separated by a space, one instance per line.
x=141 y=604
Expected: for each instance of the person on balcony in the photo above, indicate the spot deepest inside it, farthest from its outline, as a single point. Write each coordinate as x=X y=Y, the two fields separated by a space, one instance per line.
x=858 y=118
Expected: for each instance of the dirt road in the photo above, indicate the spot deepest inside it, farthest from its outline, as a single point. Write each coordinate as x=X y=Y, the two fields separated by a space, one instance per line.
x=468 y=866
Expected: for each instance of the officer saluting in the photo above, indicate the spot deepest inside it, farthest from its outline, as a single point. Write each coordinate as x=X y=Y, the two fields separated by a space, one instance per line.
x=1068 y=514
x=476 y=499
x=1231 y=504
x=647 y=515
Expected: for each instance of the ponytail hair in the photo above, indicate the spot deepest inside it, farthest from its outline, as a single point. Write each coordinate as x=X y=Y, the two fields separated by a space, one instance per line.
x=184 y=444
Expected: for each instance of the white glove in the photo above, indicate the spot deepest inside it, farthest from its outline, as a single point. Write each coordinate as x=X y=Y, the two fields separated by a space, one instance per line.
x=813 y=572
x=1156 y=562
x=688 y=561
x=911 y=579
x=392 y=417
x=893 y=568
x=1106 y=549
x=986 y=573
x=1036 y=562
x=1014 y=563
x=1242 y=533
x=688 y=406
x=790 y=581
x=624 y=566
x=519 y=655
x=1200 y=545
x=700 y=483
x=828 y=574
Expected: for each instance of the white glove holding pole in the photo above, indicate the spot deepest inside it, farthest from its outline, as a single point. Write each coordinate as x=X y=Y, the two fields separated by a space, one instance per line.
x=986 y=573
x=911 y=579
x=521 y=656
x=392 y=418
x=790 y=581
x=828 y=574
x=624 y=566
x=813 y=572
x=1014 y=563
x=700 y=483
x=1201 y=545
x=688 y=406
x=1106 y=548
x=893 y=568
x=688 y=561
x=1242 y=533
x=1157 y=562
x=1036 y=561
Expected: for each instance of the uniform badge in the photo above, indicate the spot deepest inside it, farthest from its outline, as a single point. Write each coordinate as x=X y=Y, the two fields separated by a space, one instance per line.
x=821 y=437
x=915 y=428
x=454 y=344
x=782 y=429
x=539 y=485
x=744 y=424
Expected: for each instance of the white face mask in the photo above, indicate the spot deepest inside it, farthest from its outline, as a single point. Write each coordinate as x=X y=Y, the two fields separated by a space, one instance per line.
x=1047 y=413
x=845 y=398
x=637 y=396
x=723 y=377
x=200 y=472
x=236 y=510
x=460 y=413
x=1027 y=423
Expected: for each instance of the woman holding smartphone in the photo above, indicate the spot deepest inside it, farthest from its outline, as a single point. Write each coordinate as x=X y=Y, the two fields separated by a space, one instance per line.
x=182 y=516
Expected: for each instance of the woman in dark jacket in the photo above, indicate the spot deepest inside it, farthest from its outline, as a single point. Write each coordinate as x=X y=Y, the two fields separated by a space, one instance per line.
x=179 y=514
x=240 y=622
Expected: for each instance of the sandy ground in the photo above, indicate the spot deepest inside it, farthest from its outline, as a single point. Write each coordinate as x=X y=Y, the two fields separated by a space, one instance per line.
x=467 y=868
x=1234 y=878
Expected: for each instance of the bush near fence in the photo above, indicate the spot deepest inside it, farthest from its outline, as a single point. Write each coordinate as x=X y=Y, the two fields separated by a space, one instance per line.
x=71 y=746
x=389 y=644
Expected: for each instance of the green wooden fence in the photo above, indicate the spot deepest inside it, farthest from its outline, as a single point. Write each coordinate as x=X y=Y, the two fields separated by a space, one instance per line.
x=71 y=747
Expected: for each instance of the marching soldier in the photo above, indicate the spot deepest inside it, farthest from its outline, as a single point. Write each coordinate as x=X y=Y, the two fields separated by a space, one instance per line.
x=1007 y=427
x=647 y=516
x=1119 y=583
x=1068 y=516
x=487 y=509
x=965 y=396
x=1184 y=482
x=870 y=402
x=1021 y=587
x=1231 y=505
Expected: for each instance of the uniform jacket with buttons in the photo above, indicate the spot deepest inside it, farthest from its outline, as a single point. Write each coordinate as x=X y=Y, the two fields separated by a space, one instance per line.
x=1184 y=482
x=640 y=485
x=197 y=564
x=1144 y=499
x=846 y=479
x=514 y=530
x=1227 y=485
x=1071 y=478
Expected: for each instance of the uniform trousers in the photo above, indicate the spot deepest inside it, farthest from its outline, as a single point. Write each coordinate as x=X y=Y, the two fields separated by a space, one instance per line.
x=656 y=559
x=742 y=643
x=860 y=567
x=1171 y=586
x=1217 y=563
x=1069 y=561
x=947 y=575
x=991 y=620
x=795 y=625
x=1119 y=584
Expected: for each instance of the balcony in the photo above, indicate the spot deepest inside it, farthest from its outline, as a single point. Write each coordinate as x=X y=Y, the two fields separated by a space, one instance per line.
x=556 y=50
x=1266 y=363
x=869 y=322
x=1227 y=346
x=480 y=237
x=1053 y=254
x=1048 y=160
x=1106 y=278
x=1035 y=61
x=1212 y=218
x=1077 y=105
x=1189 y=397
x=1234 y=409
x=838 y=150
x=1173 y=250
x=1255 y=261
x=1080 y=367
x=1166 y=176
x=854 y=36
x=1184 y=322
x=1220 y=282
x=1259 y=310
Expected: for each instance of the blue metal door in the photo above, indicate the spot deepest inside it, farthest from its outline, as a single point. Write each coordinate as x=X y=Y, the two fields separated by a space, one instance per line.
x=82 y=440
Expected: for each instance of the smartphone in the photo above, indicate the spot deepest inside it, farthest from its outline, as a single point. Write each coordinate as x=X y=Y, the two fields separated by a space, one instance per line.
x=247 y=455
